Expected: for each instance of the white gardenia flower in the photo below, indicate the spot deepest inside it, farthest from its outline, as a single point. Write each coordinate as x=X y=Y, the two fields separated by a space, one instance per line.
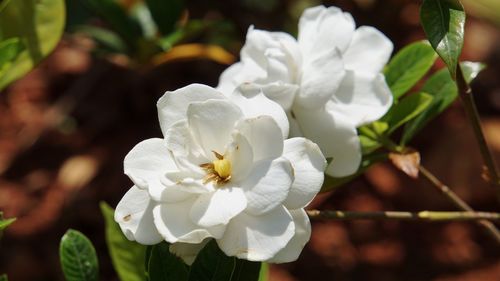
x=224 y=171
x=328 y=80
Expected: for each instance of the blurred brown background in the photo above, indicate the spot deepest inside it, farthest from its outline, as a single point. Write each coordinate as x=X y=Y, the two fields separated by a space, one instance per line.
x=66 y=127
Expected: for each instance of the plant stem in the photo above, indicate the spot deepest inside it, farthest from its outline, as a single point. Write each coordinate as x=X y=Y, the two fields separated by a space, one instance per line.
x=458 y=202
x=465 y=93
x=404 y=216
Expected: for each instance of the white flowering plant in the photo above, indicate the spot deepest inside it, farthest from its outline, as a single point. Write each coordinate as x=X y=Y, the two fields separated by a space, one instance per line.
x=223 y=191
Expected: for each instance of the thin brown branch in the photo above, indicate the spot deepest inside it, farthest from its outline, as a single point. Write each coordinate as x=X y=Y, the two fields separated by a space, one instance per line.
x=404 y=216
x=458 y=202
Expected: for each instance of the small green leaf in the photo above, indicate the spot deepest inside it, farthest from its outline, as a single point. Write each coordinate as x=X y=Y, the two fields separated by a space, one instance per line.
x=9 y=50
x=212 y=264
x=331 y=183
x=78 y=257
x=38 y=24
x=444 y=90
x=127 y=256
x=264 y=272
x=165 y=14
x=5 y=222
x=3 y=277
x=408 y=108
x=443 y=22
x=165 y=266
x=408 y=66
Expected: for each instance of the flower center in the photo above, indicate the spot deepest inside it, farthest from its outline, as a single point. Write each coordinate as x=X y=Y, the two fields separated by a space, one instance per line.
x=219 y=171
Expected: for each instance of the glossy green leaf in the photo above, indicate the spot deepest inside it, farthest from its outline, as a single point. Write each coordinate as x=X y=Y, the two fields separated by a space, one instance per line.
x=118 y=19
x=165 y=266
x=332 y=183
x=212 y=264
x=408 y=108
x=78 y=257
x=166 y=14
x=408 y=66
x=444 y=90
x=127 y=256
x=443 y=22
x=38 y=24
x=9 y=50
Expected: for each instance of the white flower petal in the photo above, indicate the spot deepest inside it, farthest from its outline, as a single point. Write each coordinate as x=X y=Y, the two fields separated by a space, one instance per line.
x=218 y=207
x=308 y=165
x=369 y=51
x=174 y=224
x=263 y=135
x=146 y=163
x=134 y=215
x=186 y=251
x=302 y=235
x=172 y=106
x=254 y=103
x=280 y=92
x=212 y=123
x=335 y=135
x=362 y=98
x=185 y=150
x=267 y=186
x=321 y=77
x=240 y=155
x=257 y=238
x=322 y=29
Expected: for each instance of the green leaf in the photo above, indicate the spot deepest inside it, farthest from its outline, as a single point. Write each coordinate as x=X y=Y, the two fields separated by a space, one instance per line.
x=444 y=90
x=107 y=39
x=117 y=18
x=78 y=257
x=165 y=266
x=212 y=264
x=408 y=66
x=408 y=108
x=9 y=50
x=127 y=256
x=5 y=222
x=443 y=22
x=264 y=272
x=331 y=183
x=165 y=14
x=38 y=24
x=3 y=277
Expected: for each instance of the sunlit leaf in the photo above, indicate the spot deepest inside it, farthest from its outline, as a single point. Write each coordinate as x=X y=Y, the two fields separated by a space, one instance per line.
x=408 y=66
x=164 y=266
x=38 y=24
x=78 y=257
x=443 y=22
x=195 y=51
x=408 y=108
x=444 y=92
x=127 y=256
x=212 y=264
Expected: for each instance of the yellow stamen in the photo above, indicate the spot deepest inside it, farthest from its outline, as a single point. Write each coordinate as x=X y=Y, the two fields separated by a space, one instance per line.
x=222 y=167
